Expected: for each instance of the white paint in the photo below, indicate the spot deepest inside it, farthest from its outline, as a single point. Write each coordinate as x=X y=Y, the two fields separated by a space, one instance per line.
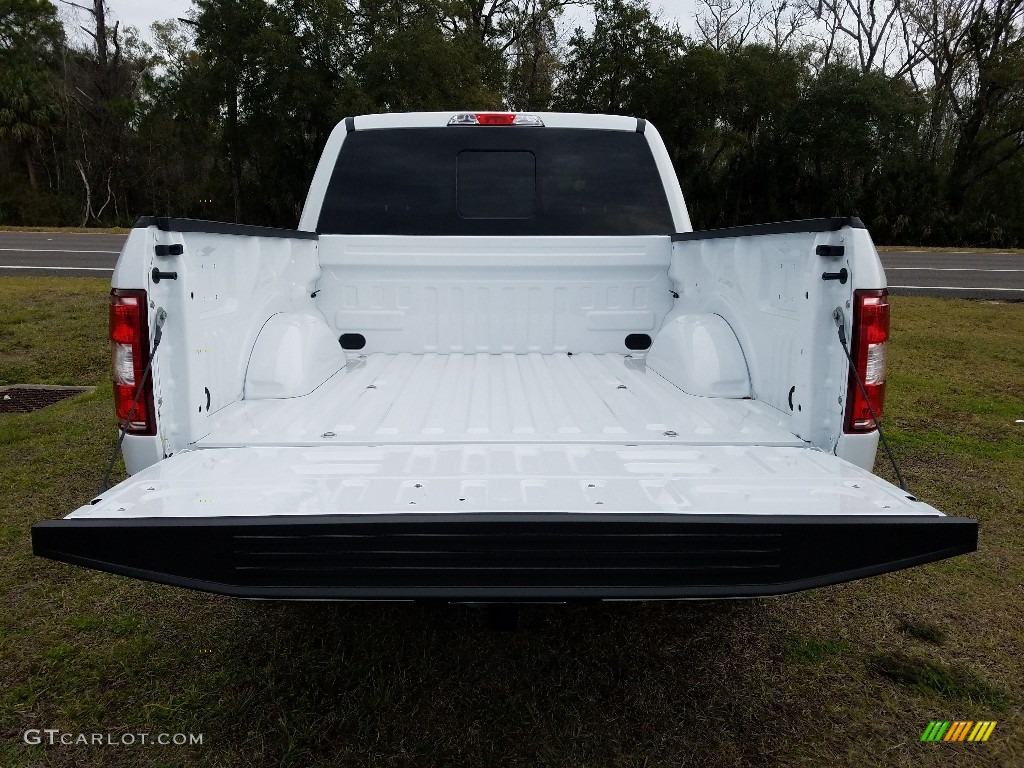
x=486 y=399
x=467 y=380
x=440 y=120
x=388 y=479
x=494 y=294
x=293 y=355
x=228 y=286
x=700 y=354
x=768 y=288
x=676 y=203
x=859 y=448
x=321 y=179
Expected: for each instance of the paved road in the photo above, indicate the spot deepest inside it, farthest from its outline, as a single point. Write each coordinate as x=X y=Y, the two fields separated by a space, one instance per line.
x=998 y=276
x=70 y=255
x=995 y=276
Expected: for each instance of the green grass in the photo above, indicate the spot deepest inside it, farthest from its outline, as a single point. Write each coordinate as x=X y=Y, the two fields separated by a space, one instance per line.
x=812 y=650
x=923 y=630
x=950 y=682
x=846 y=676
x=52 y=331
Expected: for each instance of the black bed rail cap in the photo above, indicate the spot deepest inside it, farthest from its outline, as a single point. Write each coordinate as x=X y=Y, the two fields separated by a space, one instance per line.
x=167 y=224
x=833 y=224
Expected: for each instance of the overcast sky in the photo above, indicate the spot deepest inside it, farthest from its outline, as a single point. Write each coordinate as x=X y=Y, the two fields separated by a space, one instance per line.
x=142 y=13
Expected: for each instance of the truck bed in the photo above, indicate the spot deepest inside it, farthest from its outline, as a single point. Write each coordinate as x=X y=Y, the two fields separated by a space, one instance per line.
x=491 y=439
x=465 y=398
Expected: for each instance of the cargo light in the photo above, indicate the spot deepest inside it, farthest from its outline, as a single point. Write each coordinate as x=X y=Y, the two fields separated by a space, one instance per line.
x=495 y=118
x=129 y=353
x=869 y=344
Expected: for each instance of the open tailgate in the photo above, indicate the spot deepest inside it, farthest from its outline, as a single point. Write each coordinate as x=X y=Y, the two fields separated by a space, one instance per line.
x=503 y=522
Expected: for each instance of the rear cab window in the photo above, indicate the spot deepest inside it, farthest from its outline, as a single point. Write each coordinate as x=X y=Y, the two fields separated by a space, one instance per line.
x=484 y=180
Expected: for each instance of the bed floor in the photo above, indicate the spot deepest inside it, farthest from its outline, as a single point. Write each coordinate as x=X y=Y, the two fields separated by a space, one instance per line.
x=382 y=399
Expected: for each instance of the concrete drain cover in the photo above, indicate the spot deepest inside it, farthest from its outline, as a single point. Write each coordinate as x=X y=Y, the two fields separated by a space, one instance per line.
x=25 y=398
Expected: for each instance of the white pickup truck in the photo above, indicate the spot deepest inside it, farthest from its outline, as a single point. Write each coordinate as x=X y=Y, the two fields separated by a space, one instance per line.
x=495 y=364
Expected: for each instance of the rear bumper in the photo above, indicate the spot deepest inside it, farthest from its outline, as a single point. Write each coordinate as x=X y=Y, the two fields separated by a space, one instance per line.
x=529 y=557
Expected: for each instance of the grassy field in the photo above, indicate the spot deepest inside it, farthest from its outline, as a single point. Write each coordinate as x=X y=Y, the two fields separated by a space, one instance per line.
x=844 y=676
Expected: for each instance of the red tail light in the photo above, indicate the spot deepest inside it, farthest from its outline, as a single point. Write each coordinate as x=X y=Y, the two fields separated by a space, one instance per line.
x=491 y=118
x=495 y=118
x=868 y=350
x=129 y=354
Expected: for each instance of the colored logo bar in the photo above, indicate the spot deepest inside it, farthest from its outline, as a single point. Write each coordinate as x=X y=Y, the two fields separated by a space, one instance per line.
x=958 y=730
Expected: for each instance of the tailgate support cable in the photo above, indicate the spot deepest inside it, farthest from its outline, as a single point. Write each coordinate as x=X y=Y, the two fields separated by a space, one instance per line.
x=161 y=316
x=838 y=317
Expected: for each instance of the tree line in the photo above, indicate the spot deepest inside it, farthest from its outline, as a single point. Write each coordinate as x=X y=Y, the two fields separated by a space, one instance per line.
x=908 y=113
